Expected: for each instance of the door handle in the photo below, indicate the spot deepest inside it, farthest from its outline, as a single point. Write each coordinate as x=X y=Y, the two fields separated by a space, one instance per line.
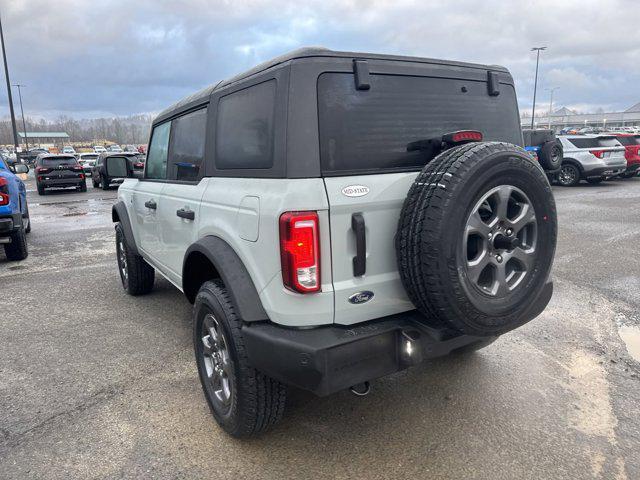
x=151 y=204
x=186 y=213
x=360 y=260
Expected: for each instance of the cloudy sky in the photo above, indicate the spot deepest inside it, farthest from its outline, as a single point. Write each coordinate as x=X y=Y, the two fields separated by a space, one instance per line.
x=90 y=58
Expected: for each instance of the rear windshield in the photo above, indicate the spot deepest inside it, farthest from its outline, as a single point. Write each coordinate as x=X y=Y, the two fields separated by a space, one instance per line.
x=363 y=131
x=56 y=162
x=594 y=142
x=630 y=140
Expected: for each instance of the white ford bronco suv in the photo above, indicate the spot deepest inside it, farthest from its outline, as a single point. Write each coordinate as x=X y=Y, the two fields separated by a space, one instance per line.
x=336 y=217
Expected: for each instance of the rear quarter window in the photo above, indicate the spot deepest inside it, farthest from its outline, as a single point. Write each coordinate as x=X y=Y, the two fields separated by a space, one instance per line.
x=245 y=128
x=364 y=131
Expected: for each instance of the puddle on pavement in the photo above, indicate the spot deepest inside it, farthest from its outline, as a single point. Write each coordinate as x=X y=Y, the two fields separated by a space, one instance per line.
x=631 y=337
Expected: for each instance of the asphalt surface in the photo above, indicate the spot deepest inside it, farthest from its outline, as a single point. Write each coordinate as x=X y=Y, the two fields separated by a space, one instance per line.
x=97 y=384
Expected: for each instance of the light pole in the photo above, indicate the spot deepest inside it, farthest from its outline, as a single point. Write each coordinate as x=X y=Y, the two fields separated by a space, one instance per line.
x=551 y=90
x=6 y=76
x=535 y=82
x=24 y=125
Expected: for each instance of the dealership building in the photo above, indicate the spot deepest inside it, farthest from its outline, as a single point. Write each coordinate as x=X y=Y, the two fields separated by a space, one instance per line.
x=565 y=117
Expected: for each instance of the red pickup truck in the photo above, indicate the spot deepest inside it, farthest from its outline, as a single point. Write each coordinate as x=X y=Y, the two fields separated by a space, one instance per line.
x=631 y=144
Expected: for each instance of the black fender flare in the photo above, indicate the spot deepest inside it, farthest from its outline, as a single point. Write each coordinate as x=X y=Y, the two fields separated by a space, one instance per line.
x=233 y=274
x=119 y=214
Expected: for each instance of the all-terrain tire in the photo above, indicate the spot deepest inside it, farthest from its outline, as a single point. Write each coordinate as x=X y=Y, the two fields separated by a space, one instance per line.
x=257 y=401
x=429 y=240
x=136 y=274
x=17 y=249
x=550 y=155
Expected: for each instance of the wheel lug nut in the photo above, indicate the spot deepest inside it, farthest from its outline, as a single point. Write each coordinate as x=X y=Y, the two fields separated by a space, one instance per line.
x=509 y=231
x=490 y=235
x=499 y=258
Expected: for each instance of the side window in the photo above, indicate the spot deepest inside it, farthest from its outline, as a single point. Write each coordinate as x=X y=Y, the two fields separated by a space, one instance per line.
x=244 y=129
x=186 y=151
x=156 y=166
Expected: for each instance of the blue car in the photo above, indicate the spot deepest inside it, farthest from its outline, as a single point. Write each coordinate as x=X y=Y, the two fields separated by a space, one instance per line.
x=14 y=213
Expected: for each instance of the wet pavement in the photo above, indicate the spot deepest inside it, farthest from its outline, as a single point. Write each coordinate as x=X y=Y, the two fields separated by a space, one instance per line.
x=97 y=384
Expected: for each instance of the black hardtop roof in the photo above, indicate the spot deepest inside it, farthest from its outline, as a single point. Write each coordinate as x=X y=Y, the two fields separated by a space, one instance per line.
x=202 y=95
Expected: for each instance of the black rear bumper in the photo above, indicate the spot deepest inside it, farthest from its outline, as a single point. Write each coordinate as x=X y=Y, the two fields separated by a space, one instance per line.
x=10 y=223
x=328 y=359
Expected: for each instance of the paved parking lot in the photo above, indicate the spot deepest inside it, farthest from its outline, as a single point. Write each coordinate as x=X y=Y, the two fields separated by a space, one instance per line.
x=97 y=384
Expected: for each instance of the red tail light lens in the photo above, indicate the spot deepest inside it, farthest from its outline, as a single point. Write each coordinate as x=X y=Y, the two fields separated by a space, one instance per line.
x=4 y=191
x=300 y=251
x=597 y=153
x=42 y=170
x=462 y=136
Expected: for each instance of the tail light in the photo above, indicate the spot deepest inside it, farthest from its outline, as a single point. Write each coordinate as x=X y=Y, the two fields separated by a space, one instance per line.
x=77 y=168
x=300 y=251
x=42 y=170
x=462 y=136
x=597 y=153
x=4 y=191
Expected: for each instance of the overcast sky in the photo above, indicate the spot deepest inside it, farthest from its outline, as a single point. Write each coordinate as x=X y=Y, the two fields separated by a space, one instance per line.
x=93 y=58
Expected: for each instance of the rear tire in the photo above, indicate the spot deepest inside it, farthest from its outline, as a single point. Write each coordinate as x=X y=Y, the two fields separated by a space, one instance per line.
x=476 y=238
x=94 y=183
x=569 y=175
x=243 y=401
x=28 y=218
x=41 y=190
x=83 y=187
x=136 y=274
x=104 y=183
x=17 y=249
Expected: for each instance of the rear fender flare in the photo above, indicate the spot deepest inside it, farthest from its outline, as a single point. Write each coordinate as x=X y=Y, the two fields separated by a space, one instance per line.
x=233 y=273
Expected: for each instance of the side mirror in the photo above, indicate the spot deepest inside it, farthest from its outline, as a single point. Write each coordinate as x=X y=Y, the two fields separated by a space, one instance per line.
x=117 y=167
x=20 y=168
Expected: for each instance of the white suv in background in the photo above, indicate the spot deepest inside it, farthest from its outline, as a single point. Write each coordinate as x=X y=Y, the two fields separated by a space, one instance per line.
x=334 y=219
x=593 y=158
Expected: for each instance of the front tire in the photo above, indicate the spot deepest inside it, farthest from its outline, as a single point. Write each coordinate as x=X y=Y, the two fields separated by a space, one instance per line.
x=243 y=401
x=136 y=274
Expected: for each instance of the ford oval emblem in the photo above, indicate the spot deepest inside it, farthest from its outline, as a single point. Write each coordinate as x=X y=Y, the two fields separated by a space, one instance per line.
x=355 y=190
x=361 y=297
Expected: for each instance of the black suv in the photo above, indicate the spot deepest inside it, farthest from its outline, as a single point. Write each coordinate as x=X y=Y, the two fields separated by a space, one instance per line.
x=59 y=171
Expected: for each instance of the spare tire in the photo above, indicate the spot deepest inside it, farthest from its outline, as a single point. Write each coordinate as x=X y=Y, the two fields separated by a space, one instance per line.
x=476 y=238
x=550 y=155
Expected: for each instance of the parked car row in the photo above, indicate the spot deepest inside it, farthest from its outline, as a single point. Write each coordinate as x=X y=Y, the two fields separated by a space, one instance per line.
x=598 y=157
x=594 y=130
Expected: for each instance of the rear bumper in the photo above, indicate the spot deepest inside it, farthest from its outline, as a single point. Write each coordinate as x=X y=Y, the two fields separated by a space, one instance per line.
x=10 y=223
x=62 y=182
x=328 y=359
x=608 y=171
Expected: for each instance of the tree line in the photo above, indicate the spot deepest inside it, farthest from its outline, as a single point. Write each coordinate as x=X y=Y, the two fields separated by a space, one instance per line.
x=133 y=129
